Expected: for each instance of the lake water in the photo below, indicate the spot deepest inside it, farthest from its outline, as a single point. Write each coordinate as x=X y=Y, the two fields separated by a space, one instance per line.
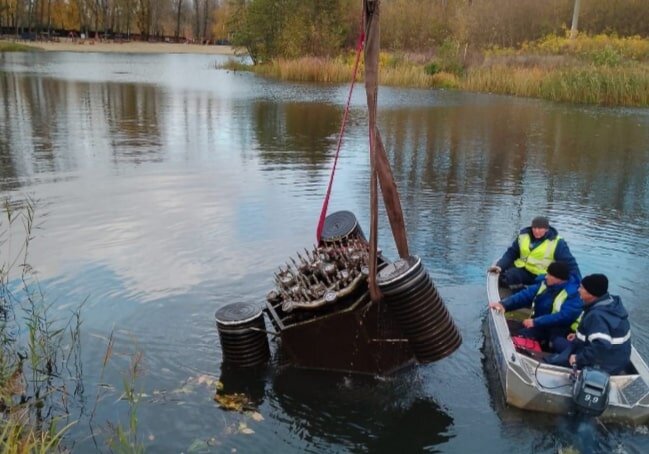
x=166 y=188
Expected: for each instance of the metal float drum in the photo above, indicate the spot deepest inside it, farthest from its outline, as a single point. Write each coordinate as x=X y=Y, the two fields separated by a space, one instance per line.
x=242 y=334
x=341 y=225
x=410 y=294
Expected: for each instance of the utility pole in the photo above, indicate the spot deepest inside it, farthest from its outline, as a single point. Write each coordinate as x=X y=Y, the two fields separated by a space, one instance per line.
x=575 y=19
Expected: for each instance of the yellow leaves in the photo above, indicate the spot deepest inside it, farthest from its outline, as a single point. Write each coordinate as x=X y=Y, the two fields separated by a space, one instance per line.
x=189 y=386
x=233 y=402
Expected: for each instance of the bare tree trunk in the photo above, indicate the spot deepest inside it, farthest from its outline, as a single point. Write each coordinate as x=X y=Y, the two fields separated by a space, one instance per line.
x=205 y=16
x=197 y=11
x=30 y=17
x=178 y=13
x=41 y=7
x=575 y=19
x=17 y=16
x=4 y=14
x=96 y=11
x=49 y=17
x=128 y=19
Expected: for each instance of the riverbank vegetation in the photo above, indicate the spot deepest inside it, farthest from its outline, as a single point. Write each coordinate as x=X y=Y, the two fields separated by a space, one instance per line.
x=41 y=379
x=37 y=352
x=9 y=46
x=519 y=47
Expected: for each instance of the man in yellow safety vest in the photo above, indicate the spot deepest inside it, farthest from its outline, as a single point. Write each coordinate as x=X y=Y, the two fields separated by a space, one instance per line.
x=555 y=304
x=530 y=254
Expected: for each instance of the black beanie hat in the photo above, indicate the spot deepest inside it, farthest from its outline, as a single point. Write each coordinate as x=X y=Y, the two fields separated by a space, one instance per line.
x=595 y=284
x=541 y=222
x=559 y=270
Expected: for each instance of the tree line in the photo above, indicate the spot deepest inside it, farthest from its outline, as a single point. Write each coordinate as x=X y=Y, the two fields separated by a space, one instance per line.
x=144 y=19
x=291 y=28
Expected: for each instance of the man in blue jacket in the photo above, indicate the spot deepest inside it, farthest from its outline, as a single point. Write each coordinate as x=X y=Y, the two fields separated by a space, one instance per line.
x=554 y=300
x=603 y=338
x=530 y=254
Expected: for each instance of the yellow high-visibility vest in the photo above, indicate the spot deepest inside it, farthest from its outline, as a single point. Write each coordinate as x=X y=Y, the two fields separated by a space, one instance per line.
x=575 y=324
x=558 y=300
x=536 y=260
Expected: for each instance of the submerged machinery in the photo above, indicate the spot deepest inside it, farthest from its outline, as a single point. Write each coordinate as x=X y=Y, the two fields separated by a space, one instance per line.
x=323 y=318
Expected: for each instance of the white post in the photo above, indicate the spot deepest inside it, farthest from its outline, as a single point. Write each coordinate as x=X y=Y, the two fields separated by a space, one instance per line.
x=575 y=19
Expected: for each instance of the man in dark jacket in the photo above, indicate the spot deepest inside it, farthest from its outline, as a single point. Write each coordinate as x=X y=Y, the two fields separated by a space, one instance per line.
x=554 y=300
x=530 y=254
x=603 y=337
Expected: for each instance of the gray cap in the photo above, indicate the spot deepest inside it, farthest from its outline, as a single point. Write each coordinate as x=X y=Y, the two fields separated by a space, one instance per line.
x=541 y=222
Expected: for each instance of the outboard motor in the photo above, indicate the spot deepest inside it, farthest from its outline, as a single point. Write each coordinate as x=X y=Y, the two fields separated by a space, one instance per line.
x=590 y=391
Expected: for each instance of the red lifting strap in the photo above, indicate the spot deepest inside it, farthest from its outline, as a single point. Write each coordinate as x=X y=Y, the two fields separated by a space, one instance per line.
x=325 y=203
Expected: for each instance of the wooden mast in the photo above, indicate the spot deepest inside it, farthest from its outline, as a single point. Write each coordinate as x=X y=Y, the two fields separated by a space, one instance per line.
x=380 y=172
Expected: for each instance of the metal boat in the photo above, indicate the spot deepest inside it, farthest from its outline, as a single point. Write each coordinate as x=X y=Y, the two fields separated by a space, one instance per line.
x=530 y=384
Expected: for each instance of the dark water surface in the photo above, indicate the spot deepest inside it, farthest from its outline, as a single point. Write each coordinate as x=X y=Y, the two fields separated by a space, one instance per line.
x=167 y=188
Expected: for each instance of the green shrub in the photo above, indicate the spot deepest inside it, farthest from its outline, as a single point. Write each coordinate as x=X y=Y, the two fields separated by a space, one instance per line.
x=606 y=56
x=432 y=68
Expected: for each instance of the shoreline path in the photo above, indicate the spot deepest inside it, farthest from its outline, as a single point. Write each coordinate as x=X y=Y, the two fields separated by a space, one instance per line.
x=89 y=45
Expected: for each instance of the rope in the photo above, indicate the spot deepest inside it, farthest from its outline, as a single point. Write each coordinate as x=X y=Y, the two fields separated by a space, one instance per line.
x=325 y=203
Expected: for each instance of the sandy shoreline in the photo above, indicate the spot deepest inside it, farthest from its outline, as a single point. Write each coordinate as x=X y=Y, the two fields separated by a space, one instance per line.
x=132 y=47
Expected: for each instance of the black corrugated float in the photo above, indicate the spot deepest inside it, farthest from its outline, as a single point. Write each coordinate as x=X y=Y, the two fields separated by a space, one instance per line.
x=412 y=297
x=242 y=333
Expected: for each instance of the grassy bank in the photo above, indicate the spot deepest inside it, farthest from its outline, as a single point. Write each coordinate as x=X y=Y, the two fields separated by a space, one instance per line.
x=603 y=70
x=10 y=46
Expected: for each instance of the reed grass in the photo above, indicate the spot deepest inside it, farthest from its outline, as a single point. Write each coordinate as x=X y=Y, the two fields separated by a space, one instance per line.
x=601 y=69
x=35 y=349
x=125 y=439
x=308 y=69
x=10 y=46
x=630 y=47
x=340 y=70
x=602 y=85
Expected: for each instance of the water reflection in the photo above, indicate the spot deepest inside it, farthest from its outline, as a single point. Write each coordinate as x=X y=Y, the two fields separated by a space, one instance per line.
x=517 y=147
x=171 y=189
x=361 y=413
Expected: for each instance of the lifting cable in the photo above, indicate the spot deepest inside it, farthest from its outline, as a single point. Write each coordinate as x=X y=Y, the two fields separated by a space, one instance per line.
x=325 y=203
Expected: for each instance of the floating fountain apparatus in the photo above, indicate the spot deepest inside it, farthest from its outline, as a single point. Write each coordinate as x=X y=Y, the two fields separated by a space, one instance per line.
x=323 y=317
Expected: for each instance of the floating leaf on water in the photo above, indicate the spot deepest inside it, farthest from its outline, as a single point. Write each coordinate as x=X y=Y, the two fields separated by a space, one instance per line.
x=234 y=402
x=186 y=389
x=206 y=379
x=198 y=446
x=244 y=429
x=255 y=416
x=219 y=385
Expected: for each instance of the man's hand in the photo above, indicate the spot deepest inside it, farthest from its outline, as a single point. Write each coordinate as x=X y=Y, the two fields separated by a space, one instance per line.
x=528 y=323
x=497 y=306
x=572 y=360
x=494 y=269
x=571 y=337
